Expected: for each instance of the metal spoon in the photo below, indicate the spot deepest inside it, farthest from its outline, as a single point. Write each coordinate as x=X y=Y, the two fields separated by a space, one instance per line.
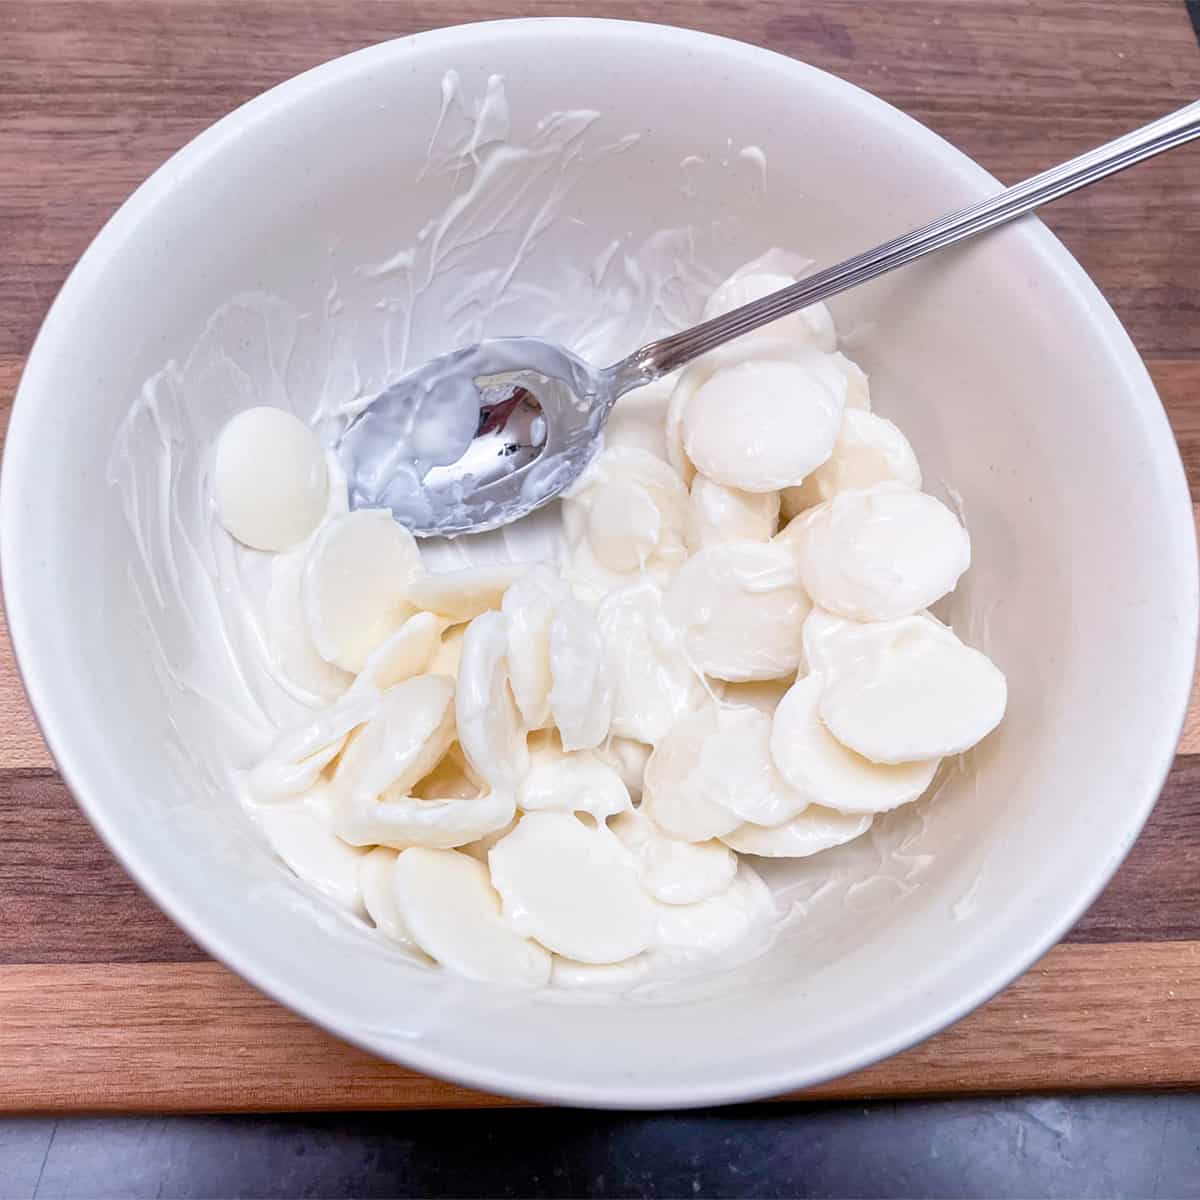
x=482 y=436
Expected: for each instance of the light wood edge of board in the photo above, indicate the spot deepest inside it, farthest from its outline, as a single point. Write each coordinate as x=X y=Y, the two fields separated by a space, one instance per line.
x=195 y=1038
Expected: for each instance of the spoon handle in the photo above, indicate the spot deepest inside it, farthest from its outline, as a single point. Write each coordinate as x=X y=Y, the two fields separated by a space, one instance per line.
x=669 y=353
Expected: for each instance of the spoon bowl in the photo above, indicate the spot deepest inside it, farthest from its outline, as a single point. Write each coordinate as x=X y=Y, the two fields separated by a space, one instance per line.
x=477 y=438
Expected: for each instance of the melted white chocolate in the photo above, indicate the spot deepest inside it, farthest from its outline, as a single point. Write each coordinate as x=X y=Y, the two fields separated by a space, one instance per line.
x=553 y=773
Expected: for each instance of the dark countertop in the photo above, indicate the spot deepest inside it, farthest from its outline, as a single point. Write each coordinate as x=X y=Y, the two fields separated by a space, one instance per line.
x=1118 y=1145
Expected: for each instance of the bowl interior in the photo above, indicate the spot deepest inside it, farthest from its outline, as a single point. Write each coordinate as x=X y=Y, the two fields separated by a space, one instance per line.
x=1019 y=390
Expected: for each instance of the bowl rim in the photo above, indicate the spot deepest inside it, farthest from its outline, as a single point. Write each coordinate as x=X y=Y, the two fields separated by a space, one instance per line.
x=32 y=652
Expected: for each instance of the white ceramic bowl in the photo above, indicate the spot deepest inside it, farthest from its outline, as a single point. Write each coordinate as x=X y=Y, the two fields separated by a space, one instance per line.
x=1001 y=360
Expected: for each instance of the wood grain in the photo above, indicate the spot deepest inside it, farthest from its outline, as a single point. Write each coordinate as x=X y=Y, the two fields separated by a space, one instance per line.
x=193 y=1037
x=104 y=1004
x=64 y=899
x=96 y=93
x=21 y=744
x=1178 y=383
x=1155 y=895
x=1189 y=743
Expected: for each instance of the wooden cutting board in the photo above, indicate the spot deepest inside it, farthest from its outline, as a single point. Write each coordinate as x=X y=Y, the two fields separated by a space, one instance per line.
x=104 y=1004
